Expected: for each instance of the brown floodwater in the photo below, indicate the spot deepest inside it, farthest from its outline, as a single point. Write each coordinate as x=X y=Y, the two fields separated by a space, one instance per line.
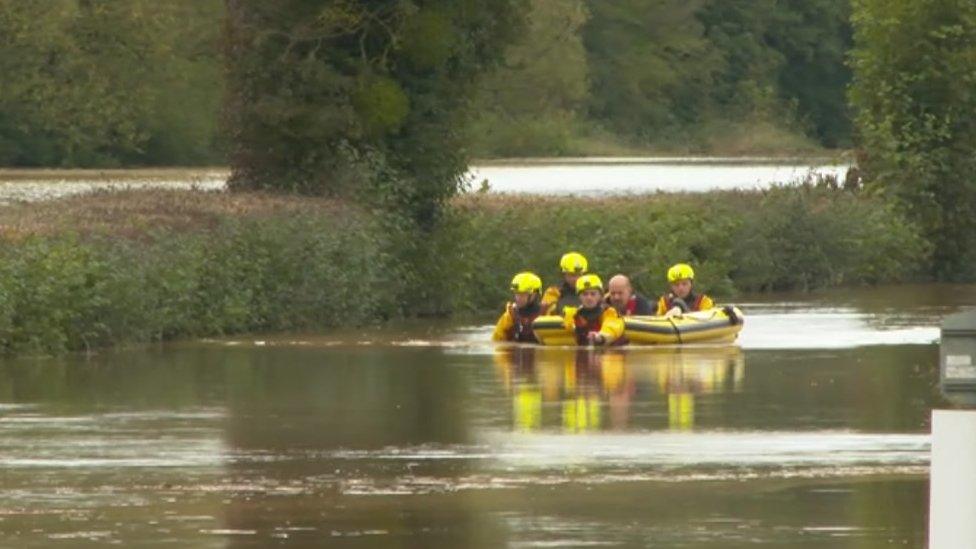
x=811 y=431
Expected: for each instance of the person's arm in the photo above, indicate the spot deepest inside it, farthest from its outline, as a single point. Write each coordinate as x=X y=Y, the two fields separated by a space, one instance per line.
x=550 y=297
x=662 y=306
x=504 y=325
x=611 y=328
x=569 y=318
x=680 y=306
x=706 y=303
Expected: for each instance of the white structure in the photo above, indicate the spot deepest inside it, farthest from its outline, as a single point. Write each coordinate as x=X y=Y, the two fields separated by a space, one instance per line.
x=952 y=495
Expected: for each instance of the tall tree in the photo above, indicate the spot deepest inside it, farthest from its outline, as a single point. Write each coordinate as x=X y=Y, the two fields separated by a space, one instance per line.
x=532 y=101
x=356 y=96
x=650 y=66
x=102 y=83
x=61 y=101
x=814 y=37
x=915 y=93
x=790 y=53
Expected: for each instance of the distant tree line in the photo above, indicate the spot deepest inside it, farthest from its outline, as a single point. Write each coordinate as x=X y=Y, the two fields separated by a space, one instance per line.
x=109 y=83
x=698 y=74
x=137 y=82
x=364 y=99
x=388 y=100
x=915 y=98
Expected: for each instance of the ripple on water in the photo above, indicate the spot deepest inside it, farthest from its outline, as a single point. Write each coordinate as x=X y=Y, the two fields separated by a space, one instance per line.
x=668 y=449
x=131 y=439
x=512 y=460
x=789 y=325
x=833 y=329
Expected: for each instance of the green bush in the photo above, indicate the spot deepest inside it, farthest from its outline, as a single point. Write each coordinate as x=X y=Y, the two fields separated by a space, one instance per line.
x=806 y=237
x=320 y=269
x=786 y=238
x=62 y=293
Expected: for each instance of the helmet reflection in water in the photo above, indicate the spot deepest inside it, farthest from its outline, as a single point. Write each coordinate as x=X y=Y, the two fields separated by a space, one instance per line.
x=681 y=411
x=575 y=391
x=686 y=373
x=528 y=409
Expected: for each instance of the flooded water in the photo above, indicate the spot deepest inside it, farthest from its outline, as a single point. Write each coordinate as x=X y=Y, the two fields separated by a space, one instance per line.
x=584 y=176
x=27 y=185
x=811 y=432
x=642 y=175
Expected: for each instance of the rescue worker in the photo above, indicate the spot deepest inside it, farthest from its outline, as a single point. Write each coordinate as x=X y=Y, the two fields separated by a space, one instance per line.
x=625 y=300
x=515 y=324
x=594 y=322
x=573 y=265
x=682 y=298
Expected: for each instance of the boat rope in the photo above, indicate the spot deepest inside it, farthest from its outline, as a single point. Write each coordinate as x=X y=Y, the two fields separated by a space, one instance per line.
x=676 y=332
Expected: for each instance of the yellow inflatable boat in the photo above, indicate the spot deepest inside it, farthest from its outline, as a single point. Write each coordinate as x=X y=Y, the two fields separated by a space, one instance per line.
x=716 y=325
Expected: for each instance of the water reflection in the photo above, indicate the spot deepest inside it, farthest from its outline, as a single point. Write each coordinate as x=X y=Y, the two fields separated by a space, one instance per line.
x=596 y=390
x=240 y=446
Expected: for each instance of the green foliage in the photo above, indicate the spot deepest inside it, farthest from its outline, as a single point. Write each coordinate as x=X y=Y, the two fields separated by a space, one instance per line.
x=428 y=39
x=107 y=83
x=60 y=293
x=787 y=238
x=650 y=64
x=811 y=237
x=783 y=62
x=140 y=83
x=533 y=102
x=316 y=87
x=496 y=134
x=669 y=77
x=913 y=91
x=814 y=37
x=381 y=104
x=348 y=268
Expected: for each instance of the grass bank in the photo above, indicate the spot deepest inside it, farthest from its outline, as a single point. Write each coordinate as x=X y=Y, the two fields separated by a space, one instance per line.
x=492 y=136
x=140 y=266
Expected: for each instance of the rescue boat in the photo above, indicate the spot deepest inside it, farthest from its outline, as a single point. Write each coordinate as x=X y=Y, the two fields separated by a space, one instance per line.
x=718 y=325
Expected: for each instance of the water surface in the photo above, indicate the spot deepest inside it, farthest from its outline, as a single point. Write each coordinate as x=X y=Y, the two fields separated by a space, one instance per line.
x=643 y=175
x=812 y=432
x=582 y=176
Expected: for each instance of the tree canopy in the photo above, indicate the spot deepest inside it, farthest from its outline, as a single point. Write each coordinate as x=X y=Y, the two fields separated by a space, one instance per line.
x=358 y=97
x=915 y=95
x=139 y=82
x=108 y=83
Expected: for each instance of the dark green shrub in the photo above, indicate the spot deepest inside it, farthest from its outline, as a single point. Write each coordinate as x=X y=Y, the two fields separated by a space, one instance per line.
x=340 y=267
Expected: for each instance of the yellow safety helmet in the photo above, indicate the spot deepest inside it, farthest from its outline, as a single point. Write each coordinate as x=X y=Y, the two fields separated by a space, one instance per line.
x=681 y=271
x=573 y=263
x=526 y=283
x=589 y=282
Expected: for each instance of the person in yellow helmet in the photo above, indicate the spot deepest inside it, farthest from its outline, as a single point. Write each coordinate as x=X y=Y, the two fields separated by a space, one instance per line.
x=594 y=322
x=515 y=324
x=573 y=265
x=682 y=297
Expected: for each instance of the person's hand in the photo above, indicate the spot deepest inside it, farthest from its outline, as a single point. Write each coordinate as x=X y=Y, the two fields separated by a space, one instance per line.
x=596 y=338
x=568 y=314
x=674 y=312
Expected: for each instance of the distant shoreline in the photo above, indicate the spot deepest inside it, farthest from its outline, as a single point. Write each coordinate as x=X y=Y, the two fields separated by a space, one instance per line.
x=8 y=174
x=820 y=159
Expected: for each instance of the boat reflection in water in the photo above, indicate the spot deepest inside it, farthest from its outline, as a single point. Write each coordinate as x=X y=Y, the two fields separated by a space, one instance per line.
x=615 y=389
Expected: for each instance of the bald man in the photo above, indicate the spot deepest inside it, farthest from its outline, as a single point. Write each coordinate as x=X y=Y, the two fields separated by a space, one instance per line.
x=622 y=297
